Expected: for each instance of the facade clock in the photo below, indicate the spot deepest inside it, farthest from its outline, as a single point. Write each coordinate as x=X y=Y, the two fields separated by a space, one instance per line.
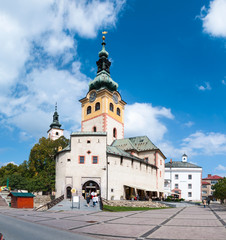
x=115 y=98
x=92 y=97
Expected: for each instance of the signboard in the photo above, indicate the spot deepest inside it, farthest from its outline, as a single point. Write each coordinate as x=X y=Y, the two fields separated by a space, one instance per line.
x=75 y=199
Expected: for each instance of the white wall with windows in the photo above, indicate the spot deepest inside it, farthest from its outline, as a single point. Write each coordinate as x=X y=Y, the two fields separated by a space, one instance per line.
x=188 y=180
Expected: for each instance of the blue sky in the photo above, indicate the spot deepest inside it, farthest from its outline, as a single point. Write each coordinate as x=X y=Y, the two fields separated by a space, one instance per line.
x=168 y=58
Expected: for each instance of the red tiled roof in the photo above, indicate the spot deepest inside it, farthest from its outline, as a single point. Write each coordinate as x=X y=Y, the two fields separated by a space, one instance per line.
x=205 y=183
x=214 y=177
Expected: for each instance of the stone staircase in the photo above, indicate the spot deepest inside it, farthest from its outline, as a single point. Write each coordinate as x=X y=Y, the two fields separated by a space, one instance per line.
x=5 y=200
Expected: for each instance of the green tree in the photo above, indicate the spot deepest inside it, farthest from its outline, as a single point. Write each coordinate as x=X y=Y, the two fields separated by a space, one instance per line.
x=220 y=189
x=41 y=163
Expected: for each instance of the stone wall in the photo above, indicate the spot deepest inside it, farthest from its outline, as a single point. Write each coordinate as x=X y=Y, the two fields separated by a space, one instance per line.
x=41 y=200
x=126 y=203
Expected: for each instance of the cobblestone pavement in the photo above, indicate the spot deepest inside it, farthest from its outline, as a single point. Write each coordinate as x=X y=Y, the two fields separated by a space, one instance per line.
x=185 y=223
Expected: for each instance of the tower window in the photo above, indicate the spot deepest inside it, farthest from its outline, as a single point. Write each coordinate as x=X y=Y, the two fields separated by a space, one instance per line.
x=118 y=112
x=115 y=133
x=97 y=106
x=94 y=129
x=81 y=159
x=57 y=133
x=111 y=107
x=95 y=159
x=88 y=110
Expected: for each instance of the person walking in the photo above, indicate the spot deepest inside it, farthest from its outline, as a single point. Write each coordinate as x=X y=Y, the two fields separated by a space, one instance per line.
x=204 y=203
x=95 y=200
x=208 y=201
x=88 y=200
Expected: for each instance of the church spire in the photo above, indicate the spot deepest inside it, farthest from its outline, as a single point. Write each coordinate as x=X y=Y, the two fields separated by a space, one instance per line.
x=103 y=78
x=55 y=123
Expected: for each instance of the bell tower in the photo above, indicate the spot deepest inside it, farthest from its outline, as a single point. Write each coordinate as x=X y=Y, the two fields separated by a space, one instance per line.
x=103 y=107
x=55 y=131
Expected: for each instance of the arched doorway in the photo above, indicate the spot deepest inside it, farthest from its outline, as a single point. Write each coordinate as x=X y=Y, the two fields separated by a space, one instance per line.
x=90 y=186
x=68 y=192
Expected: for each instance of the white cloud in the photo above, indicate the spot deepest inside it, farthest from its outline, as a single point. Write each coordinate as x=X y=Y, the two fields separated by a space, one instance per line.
x=205 y=143
x=189 y=124
x=214 y=18
x=35 y=36
x=144 y=119
x=205 y=87
x=223 y=82
x=220 y=168
x=4 y=164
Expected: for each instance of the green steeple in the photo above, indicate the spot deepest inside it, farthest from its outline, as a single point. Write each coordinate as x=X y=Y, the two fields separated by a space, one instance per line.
x=103 y=78
x=55 y=123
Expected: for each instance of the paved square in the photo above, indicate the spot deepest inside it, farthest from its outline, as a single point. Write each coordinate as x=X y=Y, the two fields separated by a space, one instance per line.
x=116 y=230
x=169 y=232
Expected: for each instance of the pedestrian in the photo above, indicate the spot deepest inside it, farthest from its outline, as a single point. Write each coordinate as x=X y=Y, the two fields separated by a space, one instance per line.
x=95 y=200
x=204 y=203
x=92 y=194
x=88 y=200
x=208 y=201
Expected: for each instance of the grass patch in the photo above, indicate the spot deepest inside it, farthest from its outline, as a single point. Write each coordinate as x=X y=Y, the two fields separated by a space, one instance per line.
x=122 y=209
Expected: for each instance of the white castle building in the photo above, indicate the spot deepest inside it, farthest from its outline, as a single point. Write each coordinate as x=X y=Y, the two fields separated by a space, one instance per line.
x=183 y=179
x=99 y=158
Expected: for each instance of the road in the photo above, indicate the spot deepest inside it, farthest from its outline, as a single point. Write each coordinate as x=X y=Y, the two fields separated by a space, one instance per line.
x=17 y=229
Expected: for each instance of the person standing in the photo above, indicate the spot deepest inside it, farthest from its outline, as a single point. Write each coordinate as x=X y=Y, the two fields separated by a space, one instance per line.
x=204 y=203
x=88 y=200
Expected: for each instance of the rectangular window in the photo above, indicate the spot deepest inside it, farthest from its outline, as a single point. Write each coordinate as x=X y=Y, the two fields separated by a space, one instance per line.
x=189 y=186
x=146 y=159
x=95 y=159
x=189 y=194
x=81 y=159
x=161 y=162
x=204 y=192
x=213 y=182
x=176 y=176
x=204 y=186
x=189 y=176
x=176 y=186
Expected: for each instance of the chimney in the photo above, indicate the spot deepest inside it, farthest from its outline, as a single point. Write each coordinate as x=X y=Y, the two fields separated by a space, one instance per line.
x=209 y=175
x=171 y=160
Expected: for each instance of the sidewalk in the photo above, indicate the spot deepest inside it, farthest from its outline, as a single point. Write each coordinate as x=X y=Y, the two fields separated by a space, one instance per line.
x=66 y=205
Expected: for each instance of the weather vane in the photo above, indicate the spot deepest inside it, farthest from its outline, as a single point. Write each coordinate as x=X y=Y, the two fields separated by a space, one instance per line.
x=104 y=33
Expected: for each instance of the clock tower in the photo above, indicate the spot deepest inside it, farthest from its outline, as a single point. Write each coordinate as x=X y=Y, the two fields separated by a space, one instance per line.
x=103 y=107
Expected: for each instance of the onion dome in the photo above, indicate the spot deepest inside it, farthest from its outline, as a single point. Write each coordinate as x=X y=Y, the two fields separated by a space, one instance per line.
x=103 y=78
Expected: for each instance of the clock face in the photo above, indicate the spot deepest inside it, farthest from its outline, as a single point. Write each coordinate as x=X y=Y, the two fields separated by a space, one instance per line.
x=92 y=97
x=115 y=98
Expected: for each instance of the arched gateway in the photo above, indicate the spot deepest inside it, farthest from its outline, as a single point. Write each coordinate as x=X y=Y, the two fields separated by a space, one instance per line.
x=90 y=186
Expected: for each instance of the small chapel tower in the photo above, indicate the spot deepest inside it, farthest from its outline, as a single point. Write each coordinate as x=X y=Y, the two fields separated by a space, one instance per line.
x=184 y=158
x=103 y=107
x=55 y=131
